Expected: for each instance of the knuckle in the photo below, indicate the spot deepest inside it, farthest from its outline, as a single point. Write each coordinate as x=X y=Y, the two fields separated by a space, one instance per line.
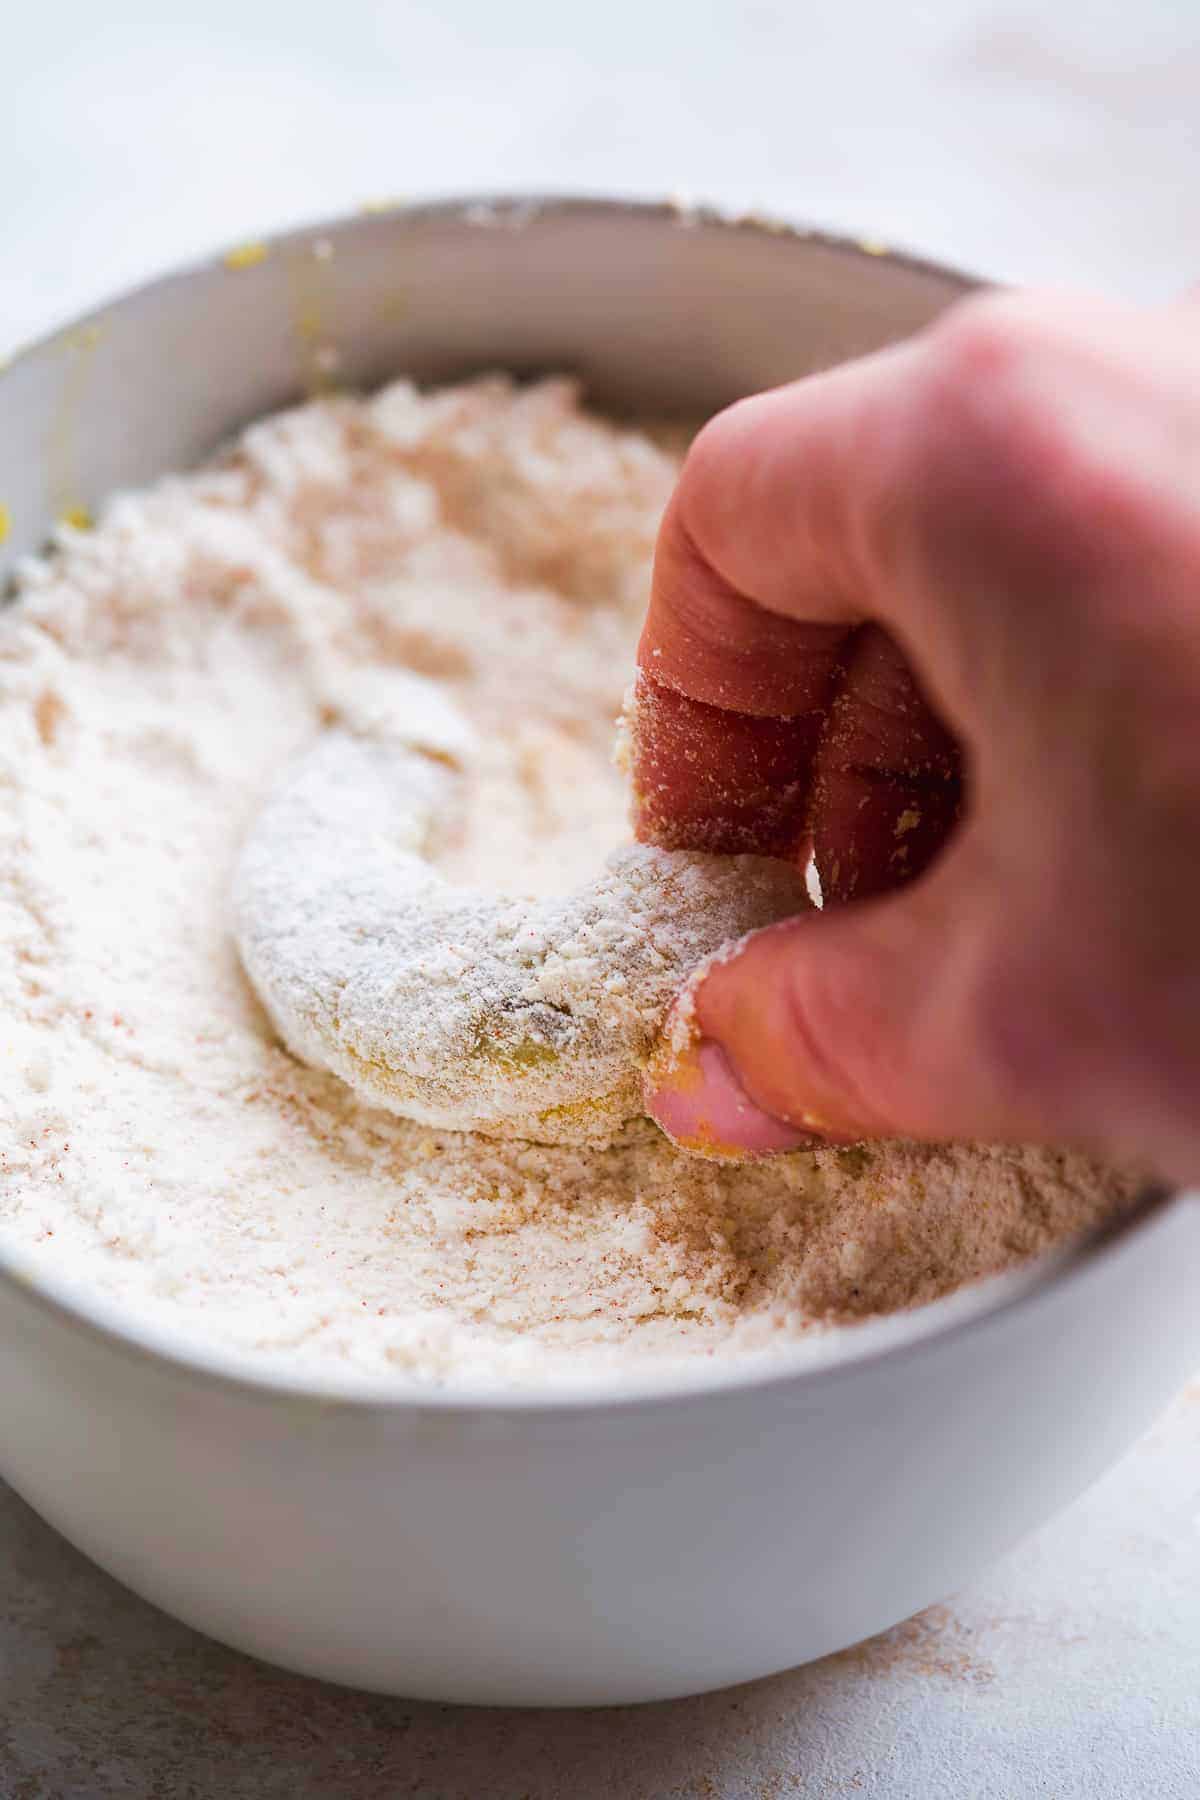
x=984 y=427
x=1023 y=428
x=983 y=334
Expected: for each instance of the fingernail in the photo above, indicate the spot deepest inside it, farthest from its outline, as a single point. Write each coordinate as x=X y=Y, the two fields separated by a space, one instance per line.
x=694 y=1095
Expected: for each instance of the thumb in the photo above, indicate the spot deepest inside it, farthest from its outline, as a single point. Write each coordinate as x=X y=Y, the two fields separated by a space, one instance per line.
x=868 y=1022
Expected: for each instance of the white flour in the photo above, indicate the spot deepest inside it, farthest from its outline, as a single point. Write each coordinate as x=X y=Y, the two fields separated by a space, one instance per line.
x=156 y=677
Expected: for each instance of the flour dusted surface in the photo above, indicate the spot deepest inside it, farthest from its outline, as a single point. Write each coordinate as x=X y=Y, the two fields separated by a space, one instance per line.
x=156 y=676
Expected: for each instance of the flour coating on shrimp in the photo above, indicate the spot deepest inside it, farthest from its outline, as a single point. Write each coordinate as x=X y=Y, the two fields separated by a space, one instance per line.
x=447 y=1004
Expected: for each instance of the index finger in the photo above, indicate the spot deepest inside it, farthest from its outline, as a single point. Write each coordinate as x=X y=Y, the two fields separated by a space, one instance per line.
x=771 y=531
x=763 y=572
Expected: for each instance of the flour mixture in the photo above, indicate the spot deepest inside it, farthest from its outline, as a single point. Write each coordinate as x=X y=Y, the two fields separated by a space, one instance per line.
x=156 y=677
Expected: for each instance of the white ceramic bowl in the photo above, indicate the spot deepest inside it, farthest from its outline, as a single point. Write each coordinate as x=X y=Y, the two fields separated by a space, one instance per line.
x=575 y=1549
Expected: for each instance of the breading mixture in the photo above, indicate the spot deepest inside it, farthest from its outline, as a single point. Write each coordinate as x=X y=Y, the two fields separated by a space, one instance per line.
x=156 y=676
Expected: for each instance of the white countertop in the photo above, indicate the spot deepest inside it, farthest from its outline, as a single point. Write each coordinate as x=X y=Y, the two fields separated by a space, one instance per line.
x=1071 y=1671
x=1064 y=150
x=135 y=136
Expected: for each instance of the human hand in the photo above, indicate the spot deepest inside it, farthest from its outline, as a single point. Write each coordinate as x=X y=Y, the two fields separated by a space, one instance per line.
x=936 y=614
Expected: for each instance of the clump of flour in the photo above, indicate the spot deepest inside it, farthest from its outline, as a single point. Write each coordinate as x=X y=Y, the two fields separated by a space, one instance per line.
x=157 y=676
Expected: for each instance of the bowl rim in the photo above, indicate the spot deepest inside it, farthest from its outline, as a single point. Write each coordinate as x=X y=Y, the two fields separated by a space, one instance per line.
x=830 y=1353
x=497 y=209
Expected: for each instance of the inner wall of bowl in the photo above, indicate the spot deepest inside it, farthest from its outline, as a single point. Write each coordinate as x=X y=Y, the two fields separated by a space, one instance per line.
x=659 y=312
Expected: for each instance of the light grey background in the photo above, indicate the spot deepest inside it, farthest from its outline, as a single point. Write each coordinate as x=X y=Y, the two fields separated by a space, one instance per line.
x=1041 y=143
x=1059 y=148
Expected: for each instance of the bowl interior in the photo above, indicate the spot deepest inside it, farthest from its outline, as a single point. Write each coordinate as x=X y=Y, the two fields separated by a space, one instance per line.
x=659 y=311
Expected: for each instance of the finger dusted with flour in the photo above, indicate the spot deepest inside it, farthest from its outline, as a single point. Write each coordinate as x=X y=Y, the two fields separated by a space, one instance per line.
x=769 y=716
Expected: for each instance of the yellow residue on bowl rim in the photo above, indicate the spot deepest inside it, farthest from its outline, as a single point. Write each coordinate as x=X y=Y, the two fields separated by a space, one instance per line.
x=246 y=256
